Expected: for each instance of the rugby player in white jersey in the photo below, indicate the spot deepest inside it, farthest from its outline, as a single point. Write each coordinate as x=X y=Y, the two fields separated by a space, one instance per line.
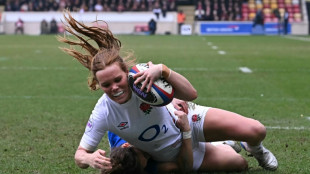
x=152 y=129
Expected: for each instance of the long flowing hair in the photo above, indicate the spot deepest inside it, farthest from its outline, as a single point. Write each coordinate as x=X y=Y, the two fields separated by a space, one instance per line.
x=94 y=58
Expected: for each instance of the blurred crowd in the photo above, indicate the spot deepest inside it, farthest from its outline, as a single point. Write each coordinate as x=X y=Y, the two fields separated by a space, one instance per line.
x=157 y=6
x=218 y=10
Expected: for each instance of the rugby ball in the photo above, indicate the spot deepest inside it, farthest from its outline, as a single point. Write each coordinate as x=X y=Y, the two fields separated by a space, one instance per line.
x=161 y=92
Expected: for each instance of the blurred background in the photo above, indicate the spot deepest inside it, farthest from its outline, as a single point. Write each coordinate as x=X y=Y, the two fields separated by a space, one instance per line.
x=186 y=17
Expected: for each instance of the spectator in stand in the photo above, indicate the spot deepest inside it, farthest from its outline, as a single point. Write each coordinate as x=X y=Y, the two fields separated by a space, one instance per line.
x=172 y=5
x=23 y=6
x=157 y=9
x=30 y=6
x=62 y=5
x=106 y=7
x=215 y=11
x=152 y=26
x=19 y=26
x=150 y=4
x=83 y=8
x=208 y=11
x=237 y=11
x=90 y=5
x=199 y=12
x=120 y=6
x=143 y=6
x=8 y=6
x=164 y=8
x=135 y=6
x=223 y=11
x=181 y=19
x=98 y=6
x=76 y=5
x=128 y=5
x=113 y=5
x=230 y=12
x=15 y=5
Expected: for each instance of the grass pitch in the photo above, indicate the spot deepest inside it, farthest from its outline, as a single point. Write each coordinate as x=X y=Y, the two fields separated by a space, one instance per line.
x=45 y=103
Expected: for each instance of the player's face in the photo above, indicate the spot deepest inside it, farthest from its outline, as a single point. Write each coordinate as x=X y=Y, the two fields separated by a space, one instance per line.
x=113 y=81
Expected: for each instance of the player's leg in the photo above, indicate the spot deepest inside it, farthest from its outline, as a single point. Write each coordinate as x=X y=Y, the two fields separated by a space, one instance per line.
x=222 y=158
x=224 y=125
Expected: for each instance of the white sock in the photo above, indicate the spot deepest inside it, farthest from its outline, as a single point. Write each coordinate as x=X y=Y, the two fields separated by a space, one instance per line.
x=253 y=149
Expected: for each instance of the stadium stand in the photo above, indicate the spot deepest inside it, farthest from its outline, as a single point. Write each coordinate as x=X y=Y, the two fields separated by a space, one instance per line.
x=209 y=10
x=89 y=5
x=229 y=10
x=269 y=7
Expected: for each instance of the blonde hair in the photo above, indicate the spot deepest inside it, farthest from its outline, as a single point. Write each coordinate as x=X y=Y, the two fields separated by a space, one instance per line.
x=97 y=58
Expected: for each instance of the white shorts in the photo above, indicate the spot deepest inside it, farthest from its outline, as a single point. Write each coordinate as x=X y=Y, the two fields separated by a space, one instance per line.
x=196 y=116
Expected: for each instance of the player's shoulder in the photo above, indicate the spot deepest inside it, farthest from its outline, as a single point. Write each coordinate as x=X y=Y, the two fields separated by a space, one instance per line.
x=101 y=105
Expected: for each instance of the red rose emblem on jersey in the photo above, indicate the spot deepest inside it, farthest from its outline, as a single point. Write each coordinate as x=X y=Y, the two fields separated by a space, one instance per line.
x=146 y=108
x=196 y=118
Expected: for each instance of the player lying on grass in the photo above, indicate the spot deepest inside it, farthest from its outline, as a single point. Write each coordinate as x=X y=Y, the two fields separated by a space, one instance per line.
x=154 y=130
x=128 y=159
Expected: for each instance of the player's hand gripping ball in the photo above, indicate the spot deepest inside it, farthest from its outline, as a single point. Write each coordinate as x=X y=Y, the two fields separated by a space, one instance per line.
x=161 y=92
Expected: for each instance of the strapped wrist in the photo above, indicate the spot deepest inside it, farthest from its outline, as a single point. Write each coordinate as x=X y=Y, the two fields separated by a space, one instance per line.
x=187 y=135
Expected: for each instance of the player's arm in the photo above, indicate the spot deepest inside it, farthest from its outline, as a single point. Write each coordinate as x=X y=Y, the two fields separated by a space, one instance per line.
x=184 y=90
x=184 y=163
x=98 y=160
x=185 y=156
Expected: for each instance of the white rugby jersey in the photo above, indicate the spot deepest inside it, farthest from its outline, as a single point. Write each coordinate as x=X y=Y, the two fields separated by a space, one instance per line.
x=151 y=129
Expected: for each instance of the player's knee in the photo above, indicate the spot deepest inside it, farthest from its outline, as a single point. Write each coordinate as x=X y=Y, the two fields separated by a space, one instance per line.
x=258 y=131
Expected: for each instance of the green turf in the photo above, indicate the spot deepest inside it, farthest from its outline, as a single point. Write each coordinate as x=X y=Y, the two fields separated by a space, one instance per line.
x=45 y=102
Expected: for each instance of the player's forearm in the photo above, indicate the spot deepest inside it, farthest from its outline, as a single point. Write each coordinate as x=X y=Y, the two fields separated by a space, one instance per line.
x=80 y=158
x=185 y=159
x=184 y=90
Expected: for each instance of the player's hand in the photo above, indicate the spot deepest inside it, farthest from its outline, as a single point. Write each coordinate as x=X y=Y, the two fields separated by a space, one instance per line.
x=182 y=121
x=180 y=105
x=149 y=76
x=98 y=160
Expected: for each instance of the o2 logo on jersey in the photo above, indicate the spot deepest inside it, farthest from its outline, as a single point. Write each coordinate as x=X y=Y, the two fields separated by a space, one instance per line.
x=152 y=132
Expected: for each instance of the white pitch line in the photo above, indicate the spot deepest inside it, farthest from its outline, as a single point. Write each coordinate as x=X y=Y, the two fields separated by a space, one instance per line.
x=221 y=52
x=214 y=47
x=190 y=69
x=245 y=70
x=273 y=99
x=39 y=68
x=287 y=128
x=199 y=98
x=306 y=39
x=25 y=68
